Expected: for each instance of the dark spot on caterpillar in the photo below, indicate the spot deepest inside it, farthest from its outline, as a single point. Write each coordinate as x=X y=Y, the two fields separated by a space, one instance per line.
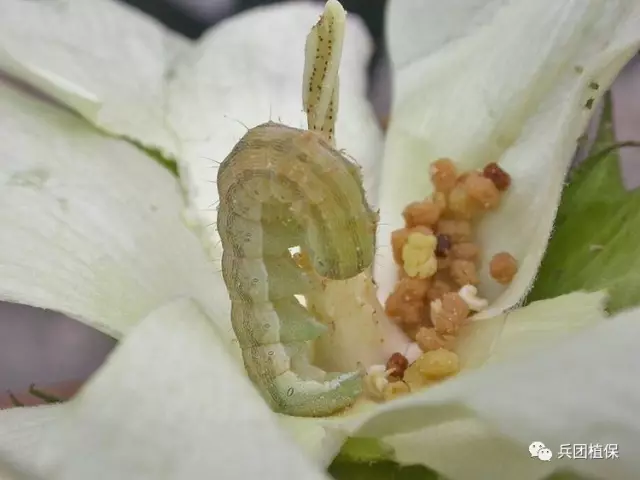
x=270 y=353
x=254 y=281
x=589 y=104
x=290 y=392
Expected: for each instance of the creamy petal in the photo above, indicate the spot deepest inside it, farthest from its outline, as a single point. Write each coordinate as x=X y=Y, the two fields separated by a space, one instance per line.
x=501 y=81
x=248 y=70
x=169 y=403
x=578 y=391
x=521 y=331
x=320 y=438
x=104 y=59
x=21 y=434
x=449 y=428
x=446 y=427
x=459 y=434
x=90 y=227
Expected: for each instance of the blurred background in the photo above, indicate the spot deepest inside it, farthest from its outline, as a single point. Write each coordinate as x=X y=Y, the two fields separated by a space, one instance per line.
x=193 y=17
x=42 y=347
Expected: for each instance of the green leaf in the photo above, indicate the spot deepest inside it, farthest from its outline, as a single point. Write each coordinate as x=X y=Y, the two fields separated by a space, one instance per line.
x=387 y=470
x=363 y=450
x=595 y=245
x=380 y=471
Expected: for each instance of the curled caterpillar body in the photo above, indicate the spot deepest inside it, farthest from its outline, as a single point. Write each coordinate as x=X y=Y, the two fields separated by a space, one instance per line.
x=282 y=187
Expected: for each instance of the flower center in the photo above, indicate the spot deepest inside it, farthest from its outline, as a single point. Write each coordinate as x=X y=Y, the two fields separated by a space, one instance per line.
x=436 y=291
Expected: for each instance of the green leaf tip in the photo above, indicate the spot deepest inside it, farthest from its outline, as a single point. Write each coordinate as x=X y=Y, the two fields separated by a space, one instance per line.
x=594 y=245
x=385 y=470
x=365 y=450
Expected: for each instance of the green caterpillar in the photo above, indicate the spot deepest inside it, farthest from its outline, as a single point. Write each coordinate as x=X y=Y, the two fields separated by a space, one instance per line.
x=283 y=187
x=280 y=188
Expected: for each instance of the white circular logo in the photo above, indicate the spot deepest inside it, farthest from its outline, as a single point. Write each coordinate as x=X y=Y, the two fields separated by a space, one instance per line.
x=535 y=447
x=545 y=454
x=538 y=450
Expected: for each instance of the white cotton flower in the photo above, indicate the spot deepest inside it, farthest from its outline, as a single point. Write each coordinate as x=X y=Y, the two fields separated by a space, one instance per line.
x=99 y=233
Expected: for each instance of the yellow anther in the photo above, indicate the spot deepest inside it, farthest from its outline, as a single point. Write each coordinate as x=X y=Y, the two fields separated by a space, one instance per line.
x=418 y=255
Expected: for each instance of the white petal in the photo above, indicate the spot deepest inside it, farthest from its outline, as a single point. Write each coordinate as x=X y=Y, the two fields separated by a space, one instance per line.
x=102 y=58
x=458 y=434
x=462 y=433
x=91 y=227
x=578 y=391
x=169 y=403
x=320 y=438
x=447 y=432
x=248 y=70
x=22 y=430
x=521 y=331
x=502 y=81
